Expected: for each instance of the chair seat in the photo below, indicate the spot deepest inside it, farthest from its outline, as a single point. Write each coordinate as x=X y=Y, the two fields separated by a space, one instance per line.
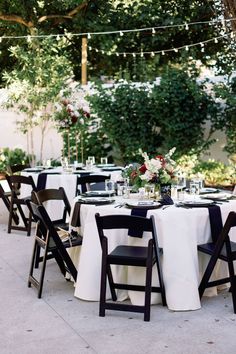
x=129 y=255
x=210 y=247
x=61 y=225
x=73 y=242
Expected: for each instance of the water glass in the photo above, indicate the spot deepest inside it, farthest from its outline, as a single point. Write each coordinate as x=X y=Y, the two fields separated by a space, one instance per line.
x=88 y=165
x=141 y=192
x=194 y=188
x=120 y=188
x=103 y=160
x=109 y=186
x=92 y=159
x=64 y=163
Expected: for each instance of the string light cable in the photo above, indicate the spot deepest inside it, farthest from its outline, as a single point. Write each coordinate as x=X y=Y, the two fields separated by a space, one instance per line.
x=152 y=29
x=152 y=53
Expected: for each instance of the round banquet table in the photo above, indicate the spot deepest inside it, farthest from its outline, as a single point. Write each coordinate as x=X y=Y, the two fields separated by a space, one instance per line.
x=179 y=231
x=57 y=178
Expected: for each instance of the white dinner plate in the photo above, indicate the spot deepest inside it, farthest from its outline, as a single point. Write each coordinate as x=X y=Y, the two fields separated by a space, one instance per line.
x=208 y=190
x=217 y=196
x=99 y=193
x=197 y=203
x=142 y=204
x=95 y=201
x=106 y=165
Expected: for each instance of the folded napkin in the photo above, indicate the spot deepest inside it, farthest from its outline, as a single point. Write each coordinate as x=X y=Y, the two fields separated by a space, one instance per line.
x=166 y=200
x=42 y=179
x=137 y=212
x=215 y=221
x=75 y=220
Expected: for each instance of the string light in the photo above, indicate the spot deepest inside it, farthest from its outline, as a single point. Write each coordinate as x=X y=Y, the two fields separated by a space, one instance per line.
x=163 y=52
x=29 y=39
x=153 y=31
x=121 y=32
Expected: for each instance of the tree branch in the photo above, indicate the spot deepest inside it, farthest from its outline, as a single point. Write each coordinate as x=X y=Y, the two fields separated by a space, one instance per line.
x=17 y=19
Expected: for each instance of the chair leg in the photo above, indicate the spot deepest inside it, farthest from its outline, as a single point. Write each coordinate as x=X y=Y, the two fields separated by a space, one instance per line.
x=232 y=283
x=111 y=283
x=103 y=283
x=33 y=259
x=148 y=287
x=10 y=218
x=29 y=223
x=42 y=273
x=161 y=282
x=206 y=276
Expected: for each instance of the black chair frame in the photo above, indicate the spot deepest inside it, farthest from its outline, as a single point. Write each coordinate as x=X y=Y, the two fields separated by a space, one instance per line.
x=129 y=256
x=47 y=238
x=59 y=194
x=5 y=198
x=16 y=202
x=223 y=249
x=85 y=181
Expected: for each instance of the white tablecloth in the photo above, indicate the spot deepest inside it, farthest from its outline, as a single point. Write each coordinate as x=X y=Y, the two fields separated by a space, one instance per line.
x=66 y=180
x=179 y=231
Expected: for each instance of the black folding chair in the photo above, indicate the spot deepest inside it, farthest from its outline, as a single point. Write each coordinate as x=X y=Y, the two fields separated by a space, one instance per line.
x=84 y=182
x=225 y=250
x=12 y=169
x=130 y=256
x=17 y=202
x=45 y=195
x=5 y=196
x=47 y=238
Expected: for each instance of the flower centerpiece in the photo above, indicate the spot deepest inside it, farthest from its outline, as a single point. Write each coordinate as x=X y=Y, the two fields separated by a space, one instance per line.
x=73 y=121
x=158 y=170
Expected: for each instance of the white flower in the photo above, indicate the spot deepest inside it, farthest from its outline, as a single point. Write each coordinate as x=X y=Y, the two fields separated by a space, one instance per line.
x=147 y=176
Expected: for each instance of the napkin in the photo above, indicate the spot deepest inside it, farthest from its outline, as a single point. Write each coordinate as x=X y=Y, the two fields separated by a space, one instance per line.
x=42 y=179
x=215 y=221
x=166 y=200
x=137 y=212
x=75 y=220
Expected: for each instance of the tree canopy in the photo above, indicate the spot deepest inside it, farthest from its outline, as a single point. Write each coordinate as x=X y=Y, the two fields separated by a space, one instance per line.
x=31 y=17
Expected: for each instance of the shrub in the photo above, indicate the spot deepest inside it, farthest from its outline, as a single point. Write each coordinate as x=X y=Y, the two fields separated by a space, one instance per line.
x=12 y=157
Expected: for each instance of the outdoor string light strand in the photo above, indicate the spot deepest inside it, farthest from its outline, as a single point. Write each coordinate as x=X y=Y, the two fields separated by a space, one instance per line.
x=163 y=51
x=121 y=32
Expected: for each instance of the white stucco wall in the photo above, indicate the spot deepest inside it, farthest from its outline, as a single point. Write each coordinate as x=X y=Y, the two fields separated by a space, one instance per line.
x=12 y=138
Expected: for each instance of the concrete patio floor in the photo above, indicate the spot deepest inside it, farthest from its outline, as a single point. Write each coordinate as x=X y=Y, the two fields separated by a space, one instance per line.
x=60 y=323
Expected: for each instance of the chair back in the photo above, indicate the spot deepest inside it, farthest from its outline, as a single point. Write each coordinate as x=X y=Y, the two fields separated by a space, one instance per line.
x=224 y=235
x=45 y=195
x=137 y=224
x=86 y=181
x=17 y=180
x=12 y=169
x=45 y=228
